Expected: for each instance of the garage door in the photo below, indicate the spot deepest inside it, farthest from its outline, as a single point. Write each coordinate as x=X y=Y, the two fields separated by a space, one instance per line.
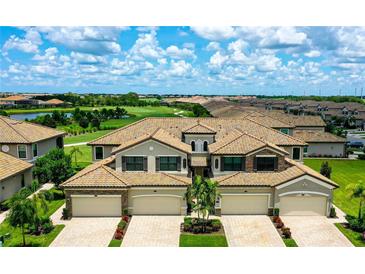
x=244 y=204
x=156 y=205
x=303 y=205
x=100 y=206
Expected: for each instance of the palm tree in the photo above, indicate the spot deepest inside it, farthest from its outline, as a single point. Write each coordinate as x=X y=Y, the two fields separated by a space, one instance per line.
x=358 y=191
x=74 y=151
x=22 y=212
x=40 y=206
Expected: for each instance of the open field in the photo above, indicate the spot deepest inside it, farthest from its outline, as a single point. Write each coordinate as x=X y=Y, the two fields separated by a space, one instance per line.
x=87 y=137
x=344 y=172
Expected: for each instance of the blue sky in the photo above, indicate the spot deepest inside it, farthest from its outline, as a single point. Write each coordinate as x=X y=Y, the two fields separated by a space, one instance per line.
x=188 y=60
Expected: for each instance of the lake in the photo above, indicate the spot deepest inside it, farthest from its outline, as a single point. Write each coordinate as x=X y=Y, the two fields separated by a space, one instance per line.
x=30 y=116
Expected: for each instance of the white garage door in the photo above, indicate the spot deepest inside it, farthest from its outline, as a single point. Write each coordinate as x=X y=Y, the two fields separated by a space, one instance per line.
x=244 y=204
x=156 y=205
x=303 y=205
x=100 y=206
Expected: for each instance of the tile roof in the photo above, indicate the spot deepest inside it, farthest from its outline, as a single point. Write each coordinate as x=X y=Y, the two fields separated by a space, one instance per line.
x=199 y=128
x=318 y=136
x=238 y=142
x=14 y=98
x=270 y=179
x=55 y=102
x=175 y=126
x=99 y=175
x=10 y=165
x=158 y=135
x=199 y=161
x=13 y=131
x=266 y=120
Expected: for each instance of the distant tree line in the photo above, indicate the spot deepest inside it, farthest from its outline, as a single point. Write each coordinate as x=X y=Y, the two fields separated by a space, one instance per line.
x=197 y=109
x=336 y=99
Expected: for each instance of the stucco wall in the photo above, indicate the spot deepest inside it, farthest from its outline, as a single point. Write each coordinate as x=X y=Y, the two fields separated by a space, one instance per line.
x=333 y=149
x=289 y=149
x=144 y=149
x=10 y=186
x=107 y=152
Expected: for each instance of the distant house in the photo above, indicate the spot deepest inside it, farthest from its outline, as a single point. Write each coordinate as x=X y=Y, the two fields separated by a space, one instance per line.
x=27 y=141
x=56 y=102
x=18 y=100
x=321 y=144
x=14 y=174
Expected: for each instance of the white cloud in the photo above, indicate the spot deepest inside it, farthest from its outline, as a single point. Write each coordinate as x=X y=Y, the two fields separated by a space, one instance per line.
x=215 y=33
x=146 y=46
x=177 y=53
x=180 y=69
x=213 y=46
x=29 y=44
x=83 y=58
x=217 y=60
x=313 y=53
x=283 y=37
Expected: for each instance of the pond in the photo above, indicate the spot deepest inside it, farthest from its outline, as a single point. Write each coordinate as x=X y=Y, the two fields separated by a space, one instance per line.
x=31 y=116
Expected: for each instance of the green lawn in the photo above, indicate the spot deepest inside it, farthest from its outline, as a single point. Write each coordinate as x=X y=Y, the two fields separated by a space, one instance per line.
x=209 y=240
x=290 y=243
x=354 y=237
x=42 y=240
x=87 y=137
x=344 y=172
x=115 y=243
x=85 y=158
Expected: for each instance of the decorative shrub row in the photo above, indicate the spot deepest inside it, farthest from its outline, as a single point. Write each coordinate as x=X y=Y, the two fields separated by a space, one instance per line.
x=194 y=225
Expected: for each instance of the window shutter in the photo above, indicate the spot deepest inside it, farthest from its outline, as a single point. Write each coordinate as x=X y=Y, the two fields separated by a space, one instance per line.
x=145 y=166
x=255 y=164
x=178 y=163
x=124 y=163
x=243 y=164
x=222 y=164
x=276 y=163
x=157 y=163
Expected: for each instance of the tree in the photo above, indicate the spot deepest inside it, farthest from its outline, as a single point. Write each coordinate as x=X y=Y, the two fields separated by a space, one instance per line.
x=95 y=122
x=21 y=213
x=84 y=122
x=74 y=151
x=203 y=194
x=54 y=166
x=358 y=191
x=326 y=170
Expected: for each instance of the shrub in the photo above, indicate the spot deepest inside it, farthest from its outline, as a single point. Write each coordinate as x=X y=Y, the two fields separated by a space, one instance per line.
x=188 y=227
x=276 y=211
x=34 y=186
x=125 y=218
x=118 y=236
x=125 y=211
x=333 y=212
x=286 y=232
x=58 y=194
x=356 y=224
x=197 y=229
x=188 y=220
x=326 y=170
x=122 y=224
x=361 y=156
x=277 y=220
x=119 y=231
x=25 y=192
x=5 y=205
x=48 y=195
x=65 y=214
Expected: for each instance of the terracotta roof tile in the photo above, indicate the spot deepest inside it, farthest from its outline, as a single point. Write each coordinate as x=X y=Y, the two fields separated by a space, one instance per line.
x=317 y=136
x=10 y=165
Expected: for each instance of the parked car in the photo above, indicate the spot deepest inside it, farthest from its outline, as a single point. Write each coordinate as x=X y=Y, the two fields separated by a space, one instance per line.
x=355 y=144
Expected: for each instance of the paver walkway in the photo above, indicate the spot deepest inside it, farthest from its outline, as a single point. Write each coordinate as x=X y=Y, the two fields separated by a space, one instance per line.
x=153 y=231
x=315 y=231
x=251 y=231
x=47 y=186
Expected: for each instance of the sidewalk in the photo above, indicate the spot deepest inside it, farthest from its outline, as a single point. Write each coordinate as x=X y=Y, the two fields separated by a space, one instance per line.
x=43 y=187
x=75 y=144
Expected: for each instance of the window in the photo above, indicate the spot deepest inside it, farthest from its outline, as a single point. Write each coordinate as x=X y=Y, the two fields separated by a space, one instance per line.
x=284 y=130
x=35 y=150
x=134 y=163
x=22 y=151
x=23 y=180
x=296 y=153
x=216 y=164
x=99 y=153
x=305 y=150
x=205 y=146
x=233 y=163
x=193 y=146
x=168 y=163
x=184 y=163
x=266 y=163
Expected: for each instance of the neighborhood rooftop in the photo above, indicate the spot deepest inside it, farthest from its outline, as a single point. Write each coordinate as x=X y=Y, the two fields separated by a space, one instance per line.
x=13 y=131
x=10 y=166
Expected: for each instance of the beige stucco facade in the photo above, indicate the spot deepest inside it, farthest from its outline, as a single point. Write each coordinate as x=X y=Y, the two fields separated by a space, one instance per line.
x=326 y=149
x=11 y=185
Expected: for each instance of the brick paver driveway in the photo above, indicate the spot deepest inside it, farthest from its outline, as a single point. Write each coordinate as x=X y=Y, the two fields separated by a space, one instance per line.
x=153 y=231
x=315 y=231
x=250 y=231
x=95 y=232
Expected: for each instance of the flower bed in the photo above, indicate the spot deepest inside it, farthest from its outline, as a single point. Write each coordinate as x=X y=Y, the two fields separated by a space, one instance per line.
x=120 y=231
x=283 y=230
x=196 y=226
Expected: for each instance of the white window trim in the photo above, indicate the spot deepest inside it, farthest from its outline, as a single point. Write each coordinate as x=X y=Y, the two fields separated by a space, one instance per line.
x=266 y=156
x=26 y=151
x=95 y=152
x=157 y=195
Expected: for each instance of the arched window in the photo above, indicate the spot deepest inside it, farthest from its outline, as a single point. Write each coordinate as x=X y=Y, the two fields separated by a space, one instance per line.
x=216 y=163
x=193 y=145
x=205 y=146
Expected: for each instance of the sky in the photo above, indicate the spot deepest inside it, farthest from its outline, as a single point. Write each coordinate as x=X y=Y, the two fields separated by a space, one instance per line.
x=184 y=60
